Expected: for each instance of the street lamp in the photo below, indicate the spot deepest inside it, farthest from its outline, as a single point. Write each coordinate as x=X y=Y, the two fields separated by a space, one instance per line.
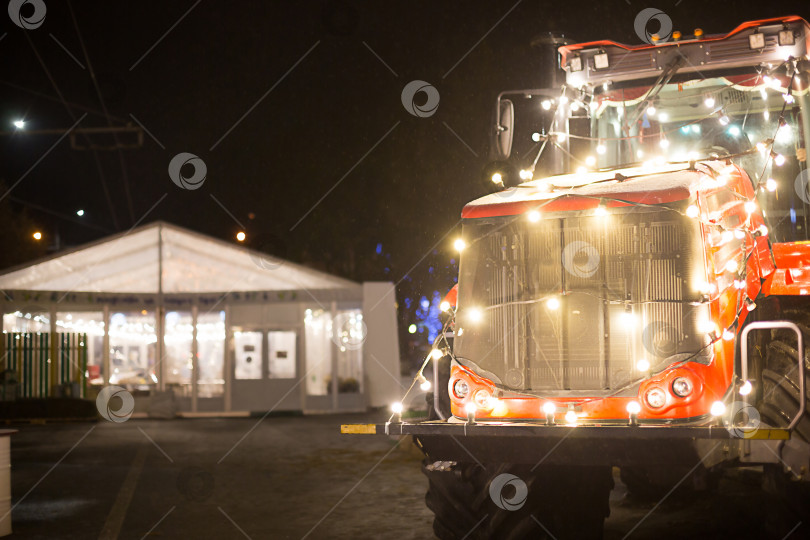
x=240 y=236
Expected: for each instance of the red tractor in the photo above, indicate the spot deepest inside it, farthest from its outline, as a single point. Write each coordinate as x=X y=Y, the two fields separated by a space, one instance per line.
x=637 y=295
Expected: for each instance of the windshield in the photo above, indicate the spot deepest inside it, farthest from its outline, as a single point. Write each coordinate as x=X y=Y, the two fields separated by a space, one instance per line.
x=580 y=303
x=689 y=118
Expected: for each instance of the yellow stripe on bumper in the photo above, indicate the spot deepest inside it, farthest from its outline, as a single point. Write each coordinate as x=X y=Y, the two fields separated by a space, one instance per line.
x=359 y=429
x=768 y=434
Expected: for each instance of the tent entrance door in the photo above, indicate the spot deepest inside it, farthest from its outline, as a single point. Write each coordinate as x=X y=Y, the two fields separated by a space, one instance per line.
x=265 y=370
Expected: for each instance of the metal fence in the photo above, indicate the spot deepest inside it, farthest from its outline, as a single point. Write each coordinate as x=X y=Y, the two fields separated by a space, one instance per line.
x=43 y=367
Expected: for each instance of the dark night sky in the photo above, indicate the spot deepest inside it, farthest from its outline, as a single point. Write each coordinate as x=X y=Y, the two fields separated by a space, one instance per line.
x=308 y=132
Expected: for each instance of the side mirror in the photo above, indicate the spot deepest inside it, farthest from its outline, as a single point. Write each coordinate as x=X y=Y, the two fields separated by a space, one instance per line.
x=504 y=129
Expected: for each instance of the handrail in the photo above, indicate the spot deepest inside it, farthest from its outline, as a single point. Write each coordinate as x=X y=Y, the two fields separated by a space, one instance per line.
x=768 y=325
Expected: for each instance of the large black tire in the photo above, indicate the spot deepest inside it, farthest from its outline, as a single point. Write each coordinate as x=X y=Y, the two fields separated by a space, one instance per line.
x=778 y=403
x=562 y=502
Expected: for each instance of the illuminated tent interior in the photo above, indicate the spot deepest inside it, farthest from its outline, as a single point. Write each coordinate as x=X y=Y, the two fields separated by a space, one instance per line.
x=225 y=328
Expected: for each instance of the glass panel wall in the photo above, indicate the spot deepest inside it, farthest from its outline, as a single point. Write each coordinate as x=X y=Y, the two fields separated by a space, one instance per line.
x=211 y=354
x=248 y=347
x=318 y=368
x=92 y=324
x=281 y=354
x=178 y=338
x=350 y=333
x=132 y=350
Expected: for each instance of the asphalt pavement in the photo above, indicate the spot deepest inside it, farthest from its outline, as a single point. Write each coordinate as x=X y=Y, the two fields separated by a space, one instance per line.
x=291 y=477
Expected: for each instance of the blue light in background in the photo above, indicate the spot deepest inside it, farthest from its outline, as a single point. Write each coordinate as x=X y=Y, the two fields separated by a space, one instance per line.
x=379 y=249
x=793 y=216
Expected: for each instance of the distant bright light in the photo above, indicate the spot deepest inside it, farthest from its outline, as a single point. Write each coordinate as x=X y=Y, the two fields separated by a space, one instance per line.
x=240 y=236
x=19 y=124
x=37 y=235
x=546 y=104
x=533 y=216
x=459 y=244
x=80 y=213
x=412 y=329
x=536 y=137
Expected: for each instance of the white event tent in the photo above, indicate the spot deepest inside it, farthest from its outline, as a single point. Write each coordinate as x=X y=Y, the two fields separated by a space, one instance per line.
x=228 y=330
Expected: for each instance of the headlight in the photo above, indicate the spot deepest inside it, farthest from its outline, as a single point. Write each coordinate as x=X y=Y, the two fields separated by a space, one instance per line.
x=655 y=397
x=483 y=399
x=682 y=386
x=461 y=389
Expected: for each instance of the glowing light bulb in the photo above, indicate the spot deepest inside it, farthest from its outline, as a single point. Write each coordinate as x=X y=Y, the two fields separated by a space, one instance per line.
x=37 y=235
x=600 y=210
x=651 y=111
x=533 y=216
x=474 y=315
x=240 y=236
x=553 y=304
x=728 y=335
x=726 y=236
x=779 y=160
x=600 y=148
x=663 y=117
x=549 y=408
x=750 y=207
x=770 y=184
x=497 y=178
x=396 y=407
x=633 y=407
x=718 y=408
x=692 y=211
x=571 y=417
x=460 y=244
x=788 y=98
x=709 y=102
x=724 y=120
x=643 y=365
x=425 y=386
x=436 y=354
x=731 y=266
x=590 y=161
x=546 y=104
x=536 y=137
x=746 y=388
x=525 y=174
x=561 y=137
x=444 y=306
x=563 y=99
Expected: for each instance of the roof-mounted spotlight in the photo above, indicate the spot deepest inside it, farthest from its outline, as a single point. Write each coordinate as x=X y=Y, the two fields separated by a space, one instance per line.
x=786 y=37
x=756 y=40
x=600 y=61
x=575 y=64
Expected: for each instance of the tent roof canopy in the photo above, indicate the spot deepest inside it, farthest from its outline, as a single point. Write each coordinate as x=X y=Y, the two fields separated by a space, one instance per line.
x=160 y=257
